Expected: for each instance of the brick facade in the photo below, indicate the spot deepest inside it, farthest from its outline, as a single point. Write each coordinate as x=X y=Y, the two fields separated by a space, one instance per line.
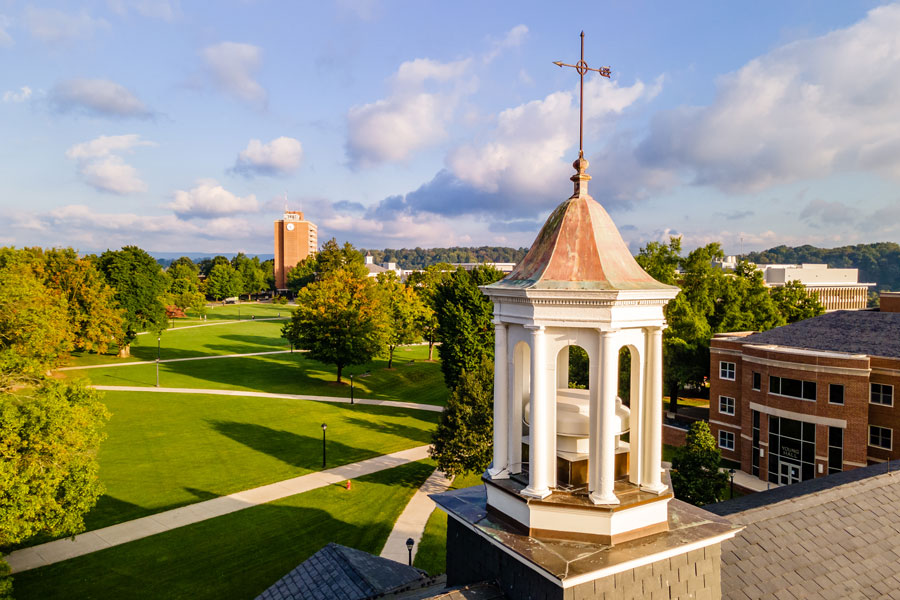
x=471 y=558
x=756 y=363
x=295 y=239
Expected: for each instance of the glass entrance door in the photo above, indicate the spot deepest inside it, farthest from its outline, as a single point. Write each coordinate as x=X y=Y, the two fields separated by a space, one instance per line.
x=789 y=474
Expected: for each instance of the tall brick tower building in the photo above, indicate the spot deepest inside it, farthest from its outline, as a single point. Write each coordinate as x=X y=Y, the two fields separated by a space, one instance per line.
x=295 y=239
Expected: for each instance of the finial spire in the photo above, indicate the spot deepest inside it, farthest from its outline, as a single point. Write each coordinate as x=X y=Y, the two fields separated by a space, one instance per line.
x=582 y=67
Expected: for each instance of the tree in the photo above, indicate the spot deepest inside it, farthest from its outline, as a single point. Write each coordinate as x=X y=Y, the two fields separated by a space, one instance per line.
x=463 y=440
x=140 y=285
x=661 y=260
x=425 y=285
x=207 y=264
x=696 y=477
x=252 y=275
x=339 y=320
x=94 y=315
x=183 y=277
x=795 y=304
x=223 y=282
x=465 y=326
x=49 y=438
x=405 y=312
x=35 y=331
x=328 y=259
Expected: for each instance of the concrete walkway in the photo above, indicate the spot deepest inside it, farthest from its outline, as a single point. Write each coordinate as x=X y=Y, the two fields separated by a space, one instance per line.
x=334 y=399
x=411 y=523
x=171 y=360
x=91 y=541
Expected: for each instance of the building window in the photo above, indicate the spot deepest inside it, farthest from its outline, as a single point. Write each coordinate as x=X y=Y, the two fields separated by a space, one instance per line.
x=835 y=393
x=880 y=437
x=880 y=393
x=835 y=450
x=726 y=440
x=757 y=381
x=794 y=388
x=726 y=370
x=754 y=462
x=792 y=450
x=726 y=405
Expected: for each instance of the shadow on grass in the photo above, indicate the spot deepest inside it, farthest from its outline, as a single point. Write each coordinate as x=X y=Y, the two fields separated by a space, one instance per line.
x=404 y=431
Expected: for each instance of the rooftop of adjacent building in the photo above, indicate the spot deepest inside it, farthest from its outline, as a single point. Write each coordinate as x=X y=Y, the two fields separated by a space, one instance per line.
x=870 y=332
x=832 y=537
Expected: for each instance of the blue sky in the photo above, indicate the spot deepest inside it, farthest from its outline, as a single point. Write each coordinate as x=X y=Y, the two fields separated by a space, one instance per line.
x=178 y=127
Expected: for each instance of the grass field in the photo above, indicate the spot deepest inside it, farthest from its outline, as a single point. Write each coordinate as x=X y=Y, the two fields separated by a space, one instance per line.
x=236 y=556
x=432 y=554
x=420 y=381
x=168 y=450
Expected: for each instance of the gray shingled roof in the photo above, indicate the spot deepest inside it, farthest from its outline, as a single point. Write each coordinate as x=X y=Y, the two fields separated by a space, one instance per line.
x=340 y=573
x=832 y=537
x=855 y=331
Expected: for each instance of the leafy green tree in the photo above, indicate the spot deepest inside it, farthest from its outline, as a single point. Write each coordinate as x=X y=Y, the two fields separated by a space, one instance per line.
x=49 y=437
x=183 y=277
x=35 y=330
x=661 y=260
x=330 y=258
x=463 y=440
x=795 y=304
x=405 y=312
x=465 y=326
x=696 y=477
x=339 y=320
x=140 y=285
x=93 y=312
x=206 y=265
x=252 y=274
x=425 y=284
x=223 y=282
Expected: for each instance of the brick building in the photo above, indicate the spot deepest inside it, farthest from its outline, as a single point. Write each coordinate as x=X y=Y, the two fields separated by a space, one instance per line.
x=811 y=398
x=295 y=239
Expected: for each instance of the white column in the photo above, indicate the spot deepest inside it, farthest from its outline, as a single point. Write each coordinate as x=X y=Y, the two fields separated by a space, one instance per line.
x=651 y=478
x=540 y=429
x=562 y=369
x=609 y=384
x=636 y=437
x=514 y=411
x=499 y=468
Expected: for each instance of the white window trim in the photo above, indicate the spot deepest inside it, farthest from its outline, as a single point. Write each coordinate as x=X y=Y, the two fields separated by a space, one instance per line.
x=891 y=447
x=733 y=370
x=733 y=406
x=889 y=385
x=844 y=395
x=726 y=434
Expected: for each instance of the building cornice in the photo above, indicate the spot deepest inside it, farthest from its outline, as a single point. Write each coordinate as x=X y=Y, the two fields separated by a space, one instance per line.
x=789 y=414
x=787 y=364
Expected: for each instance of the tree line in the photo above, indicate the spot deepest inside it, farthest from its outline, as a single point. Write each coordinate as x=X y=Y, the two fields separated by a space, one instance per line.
x=877 y=263
x=420 y=258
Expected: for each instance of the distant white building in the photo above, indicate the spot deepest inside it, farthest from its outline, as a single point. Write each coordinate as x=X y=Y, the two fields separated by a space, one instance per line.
x=502 y=267
x=374 y=269
x=838 y=289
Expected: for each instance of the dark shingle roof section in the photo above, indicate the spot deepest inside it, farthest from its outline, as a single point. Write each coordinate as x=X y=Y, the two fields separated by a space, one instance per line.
x=832 y=537
x=854 y=331
x=340 y=573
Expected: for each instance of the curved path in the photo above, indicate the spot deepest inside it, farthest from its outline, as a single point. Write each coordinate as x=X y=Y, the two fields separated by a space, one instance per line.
x=335 y=399
x=171 y=360
x=411 y=522
x=114 y=535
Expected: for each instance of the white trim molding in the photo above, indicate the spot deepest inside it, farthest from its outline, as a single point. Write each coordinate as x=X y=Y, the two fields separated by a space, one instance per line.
x=723 y=424
x=786 y=364
x=788 y=414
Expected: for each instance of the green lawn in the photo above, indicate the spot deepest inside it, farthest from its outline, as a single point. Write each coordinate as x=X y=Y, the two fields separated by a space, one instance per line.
x=227 y=338
x=420 y=381
x=236 y=556
x=432 y=553
x=168 y=450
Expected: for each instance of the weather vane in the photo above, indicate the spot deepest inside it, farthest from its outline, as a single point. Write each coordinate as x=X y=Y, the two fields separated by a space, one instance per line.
x=582 y=68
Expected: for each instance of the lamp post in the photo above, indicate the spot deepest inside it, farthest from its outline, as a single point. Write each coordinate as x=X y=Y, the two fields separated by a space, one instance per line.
x=409 y=546
x=351 y=388
x=731 y=472
x=158 y=338
x=324 y=427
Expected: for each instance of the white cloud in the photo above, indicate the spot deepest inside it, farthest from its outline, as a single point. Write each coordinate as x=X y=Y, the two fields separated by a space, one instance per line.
x=410 y=118
x=525 y=152
x=209 y=199
x=281 y=156
x=22 y=95
x=6 y=40
x=102 y=167
x=52 y=25
x=233 y=68
x=807 y=109
x=98 y=97
x=513 y=38
x=154 y=9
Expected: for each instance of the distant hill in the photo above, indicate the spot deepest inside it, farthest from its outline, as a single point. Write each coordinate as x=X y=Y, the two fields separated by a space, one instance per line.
x=165 y=258
x=877 y=263
x=419 y=258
